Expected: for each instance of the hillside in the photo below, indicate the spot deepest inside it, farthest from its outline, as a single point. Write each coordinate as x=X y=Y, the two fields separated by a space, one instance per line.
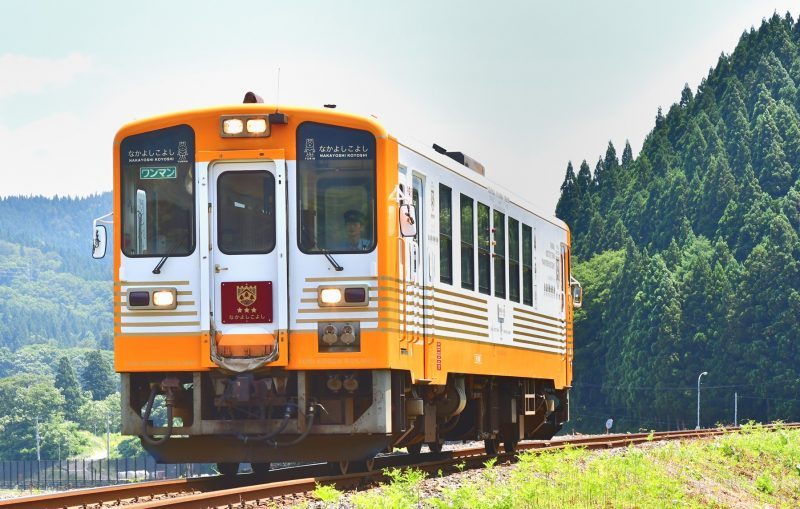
x=50 y=287
x=689 y=252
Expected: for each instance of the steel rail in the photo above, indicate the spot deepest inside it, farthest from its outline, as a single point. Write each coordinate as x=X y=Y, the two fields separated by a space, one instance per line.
x=219 y=491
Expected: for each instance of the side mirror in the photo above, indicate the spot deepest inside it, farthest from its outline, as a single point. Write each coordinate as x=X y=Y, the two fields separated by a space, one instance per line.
x=577 y=293
x=408 y=225
x=99 y=242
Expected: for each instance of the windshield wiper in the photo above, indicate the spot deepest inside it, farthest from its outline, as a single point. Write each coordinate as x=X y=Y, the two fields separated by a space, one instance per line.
x=336 y=266
x=157 y=269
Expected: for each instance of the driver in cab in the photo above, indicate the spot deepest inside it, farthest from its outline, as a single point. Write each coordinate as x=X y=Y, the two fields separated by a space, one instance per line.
x=354 y=224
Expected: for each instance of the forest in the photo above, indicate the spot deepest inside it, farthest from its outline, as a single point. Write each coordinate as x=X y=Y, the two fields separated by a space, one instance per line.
x=56 y=322
x=688 y=253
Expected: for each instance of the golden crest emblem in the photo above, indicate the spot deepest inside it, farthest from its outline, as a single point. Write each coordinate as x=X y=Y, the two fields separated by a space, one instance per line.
x=246 y=294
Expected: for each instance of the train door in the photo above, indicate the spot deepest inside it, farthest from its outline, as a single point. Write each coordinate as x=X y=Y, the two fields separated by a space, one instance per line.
x=248 y=262
x=421 y=267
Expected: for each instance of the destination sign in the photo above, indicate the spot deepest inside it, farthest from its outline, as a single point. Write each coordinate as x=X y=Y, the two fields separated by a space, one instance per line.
x=157 y=173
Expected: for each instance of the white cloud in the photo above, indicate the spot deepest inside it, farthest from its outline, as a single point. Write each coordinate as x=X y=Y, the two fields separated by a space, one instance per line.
x=57 y=155
x=23 y=74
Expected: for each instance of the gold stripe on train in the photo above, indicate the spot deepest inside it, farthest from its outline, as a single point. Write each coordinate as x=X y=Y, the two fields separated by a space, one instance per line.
x=157 y=324
x=458 y=294
x=461 y=331
x=149 y=312
x=483 y=326
x=179 y=303
x=553 y=323
x=151 y=283
x=539 y=329
x=460 y=304
x=561 y=341
x=439 y=309
x=540 y=345
x=326 y=320
x=340 y=278
x=532 y=313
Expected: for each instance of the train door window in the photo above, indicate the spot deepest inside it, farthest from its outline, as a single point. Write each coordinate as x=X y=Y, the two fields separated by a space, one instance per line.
x=513 y=259
x=246 y=218
x=467 y=243
x=527 y=267
x=445 y=234
x=484 y=255
x=499 y=255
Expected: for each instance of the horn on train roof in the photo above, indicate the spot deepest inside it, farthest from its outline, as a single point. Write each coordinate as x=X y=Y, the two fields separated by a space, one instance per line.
x=252 y=97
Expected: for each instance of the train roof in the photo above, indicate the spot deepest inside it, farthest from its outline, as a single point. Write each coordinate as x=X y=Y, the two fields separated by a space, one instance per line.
x=339 y=117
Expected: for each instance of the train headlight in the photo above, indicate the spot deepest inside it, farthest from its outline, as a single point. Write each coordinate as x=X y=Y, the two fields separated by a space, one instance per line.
x=232 y=126
x=257 y=125
x=164 y=298
x=330 y=296
x=246 y=126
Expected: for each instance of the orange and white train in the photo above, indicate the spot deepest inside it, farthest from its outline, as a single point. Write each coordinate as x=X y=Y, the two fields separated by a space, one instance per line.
x=298 y=284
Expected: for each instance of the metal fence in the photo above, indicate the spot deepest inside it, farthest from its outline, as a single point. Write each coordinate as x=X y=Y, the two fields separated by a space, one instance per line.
x=70 y=474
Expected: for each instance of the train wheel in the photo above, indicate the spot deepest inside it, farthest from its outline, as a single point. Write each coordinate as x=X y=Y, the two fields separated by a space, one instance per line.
x=492 y=445
x=339 y=467
x=414 y=448
x=228 y=469
x=510 y=446
x=435 y=446
x=369 y=465
x=260 y=468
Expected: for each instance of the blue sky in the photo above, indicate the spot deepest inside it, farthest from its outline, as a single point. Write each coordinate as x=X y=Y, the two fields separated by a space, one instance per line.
x=522 y=87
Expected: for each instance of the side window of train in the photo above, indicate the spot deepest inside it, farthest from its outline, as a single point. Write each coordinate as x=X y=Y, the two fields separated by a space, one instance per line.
x=445 y=234
x=527 y=265
x=499 y=255
x=484 y=249
x=513 y=259
x=467 y=243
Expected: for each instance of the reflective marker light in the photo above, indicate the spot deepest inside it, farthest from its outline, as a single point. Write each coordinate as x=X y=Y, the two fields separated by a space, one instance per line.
x=232 y=126
x=139 y=299
x=164 y=298
x=256 y=125
x=330 y=296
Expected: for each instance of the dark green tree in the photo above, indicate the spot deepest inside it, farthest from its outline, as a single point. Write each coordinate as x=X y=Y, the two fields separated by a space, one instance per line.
x=98 y=377
x=67 y=383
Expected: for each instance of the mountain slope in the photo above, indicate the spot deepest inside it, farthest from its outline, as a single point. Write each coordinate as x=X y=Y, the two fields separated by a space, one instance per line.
x=703 y=226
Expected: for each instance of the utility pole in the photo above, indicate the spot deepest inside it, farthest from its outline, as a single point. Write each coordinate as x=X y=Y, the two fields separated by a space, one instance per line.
x=108 y=439
x=735 y=408
x=698 y=397
x=38 y=442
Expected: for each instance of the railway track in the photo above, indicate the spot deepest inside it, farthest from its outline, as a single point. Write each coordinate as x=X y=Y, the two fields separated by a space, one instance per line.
x=249 y=489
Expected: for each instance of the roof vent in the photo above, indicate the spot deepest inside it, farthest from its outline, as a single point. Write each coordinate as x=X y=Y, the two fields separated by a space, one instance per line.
x=462 y=158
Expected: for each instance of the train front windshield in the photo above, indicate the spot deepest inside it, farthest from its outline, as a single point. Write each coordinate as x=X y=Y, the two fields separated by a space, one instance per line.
x=157 y=193
x=335 y=189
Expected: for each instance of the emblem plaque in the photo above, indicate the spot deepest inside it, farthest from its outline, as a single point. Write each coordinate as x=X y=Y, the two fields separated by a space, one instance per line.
x=246 y=302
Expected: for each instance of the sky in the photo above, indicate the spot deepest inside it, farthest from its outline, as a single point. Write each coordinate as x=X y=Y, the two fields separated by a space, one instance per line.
x=522 y=87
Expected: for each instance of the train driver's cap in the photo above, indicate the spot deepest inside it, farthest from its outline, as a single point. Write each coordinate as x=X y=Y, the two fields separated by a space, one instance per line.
x=353 y=216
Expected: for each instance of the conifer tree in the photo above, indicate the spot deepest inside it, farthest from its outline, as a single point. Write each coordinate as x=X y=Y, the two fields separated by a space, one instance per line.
x=627 y=155
x=98 y=377
x=67 y=383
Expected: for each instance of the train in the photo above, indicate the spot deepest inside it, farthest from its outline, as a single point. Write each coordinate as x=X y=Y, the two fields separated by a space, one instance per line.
x=298 y=284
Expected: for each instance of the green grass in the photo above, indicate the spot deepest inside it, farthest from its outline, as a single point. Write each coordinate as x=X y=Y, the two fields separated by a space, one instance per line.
x=755 y=468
